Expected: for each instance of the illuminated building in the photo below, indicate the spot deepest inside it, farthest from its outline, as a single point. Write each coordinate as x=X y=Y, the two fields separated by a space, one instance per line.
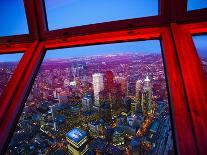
x=78 y=141
x=133 y=107
x=123 y=82
x=94 y=127
x=105 y=112
x=117 y=96
x=127 y=104
x=66 y=82
x=87 y=103
x=131 y=120
x=134 y=145
x=138 y=88
x=109 y=81
x=118 y=136
x=146 y=101
x=98 y=86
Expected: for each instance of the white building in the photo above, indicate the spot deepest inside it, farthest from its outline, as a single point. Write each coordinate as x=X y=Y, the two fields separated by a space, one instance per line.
x=147 y=96
x=98 y=86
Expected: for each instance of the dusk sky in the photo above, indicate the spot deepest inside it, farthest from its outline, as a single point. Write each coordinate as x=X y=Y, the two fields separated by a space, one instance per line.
x=142 y=47
x=14 y=57
x=69 y=13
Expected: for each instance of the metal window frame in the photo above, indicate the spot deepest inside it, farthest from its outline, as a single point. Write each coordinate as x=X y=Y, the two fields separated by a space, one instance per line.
x=174 y=27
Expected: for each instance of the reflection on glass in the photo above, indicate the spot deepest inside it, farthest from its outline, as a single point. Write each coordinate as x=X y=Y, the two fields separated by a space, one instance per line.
x=13 y=19
x=106 y=99
x=196 y=4
x=8 y=63
x=200 y=42
x=64 y=13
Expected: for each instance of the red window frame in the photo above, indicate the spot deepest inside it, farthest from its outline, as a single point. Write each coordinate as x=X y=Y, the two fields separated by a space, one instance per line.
x=174 y=27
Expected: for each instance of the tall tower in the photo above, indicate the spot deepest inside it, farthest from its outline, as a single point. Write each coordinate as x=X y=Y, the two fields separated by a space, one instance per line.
x=109 y=81
x=147 y=96
x=98 y=86
x=123 y=82
x=138 y=88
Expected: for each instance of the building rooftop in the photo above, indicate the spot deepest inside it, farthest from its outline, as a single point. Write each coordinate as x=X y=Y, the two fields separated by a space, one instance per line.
x=76 y=135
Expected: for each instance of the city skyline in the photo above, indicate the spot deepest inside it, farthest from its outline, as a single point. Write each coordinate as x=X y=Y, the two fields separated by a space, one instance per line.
x=123 y=95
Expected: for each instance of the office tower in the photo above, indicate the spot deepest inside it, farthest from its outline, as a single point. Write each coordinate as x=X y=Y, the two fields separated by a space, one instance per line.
x=117 y=96
x=52 y=111
x=138 y=88
x=147 y=96
x=94 y=127
x=105 y=112
x=98 y=86
x=127 y=104
x=78 y=141
x=87 y=103
x=118 y=136
x=109 y=83
x=123 y=82
x=79 y=70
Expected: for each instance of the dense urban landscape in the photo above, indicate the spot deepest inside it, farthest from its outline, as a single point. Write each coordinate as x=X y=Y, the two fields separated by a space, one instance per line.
x=107 y=104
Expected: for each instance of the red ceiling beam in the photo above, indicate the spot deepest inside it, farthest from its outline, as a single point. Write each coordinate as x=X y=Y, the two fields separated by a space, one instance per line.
x=12 y=48
x=100 y=38
x=195 y=28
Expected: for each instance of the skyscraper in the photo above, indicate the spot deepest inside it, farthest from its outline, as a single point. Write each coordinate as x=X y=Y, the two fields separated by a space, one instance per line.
x=147 y=96
x=123 y=82
x=138 y=88
x=87 y=103
x=109 y=81
x=98 y=86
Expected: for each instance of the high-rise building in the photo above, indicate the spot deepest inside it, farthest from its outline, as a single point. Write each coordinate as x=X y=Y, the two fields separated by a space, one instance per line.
x=118 y=136
x=98 y=86
x=109 y=83
x=78 y=141
x=105 y=112
x=123 y=82
x=138 y=88
x=146 y=102
x=87 y=103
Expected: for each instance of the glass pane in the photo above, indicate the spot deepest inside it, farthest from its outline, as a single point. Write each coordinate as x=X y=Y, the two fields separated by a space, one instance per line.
x=196 y=4
x=8 y=63
x=64 y=13
x=200 y=42
x=107 y=99
x=13 y=19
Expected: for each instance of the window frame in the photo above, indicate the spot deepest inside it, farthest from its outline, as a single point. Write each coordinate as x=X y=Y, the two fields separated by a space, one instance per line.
x=188 y=56
x=173 y=23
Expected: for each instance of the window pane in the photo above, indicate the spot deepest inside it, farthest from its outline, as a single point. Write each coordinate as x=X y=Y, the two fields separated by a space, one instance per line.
x=200 y=42
x=109 y=99
x=196 y=4
x=8 y=63
x=12 y=19
x=64 y=13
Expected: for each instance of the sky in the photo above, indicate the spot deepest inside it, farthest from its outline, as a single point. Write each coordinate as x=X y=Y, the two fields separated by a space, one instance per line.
x=84 y=12
x=200 y=42
x=196 y=4
x=12 y=18
x=14 y=57
x=69 y=13
x=142 y=47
